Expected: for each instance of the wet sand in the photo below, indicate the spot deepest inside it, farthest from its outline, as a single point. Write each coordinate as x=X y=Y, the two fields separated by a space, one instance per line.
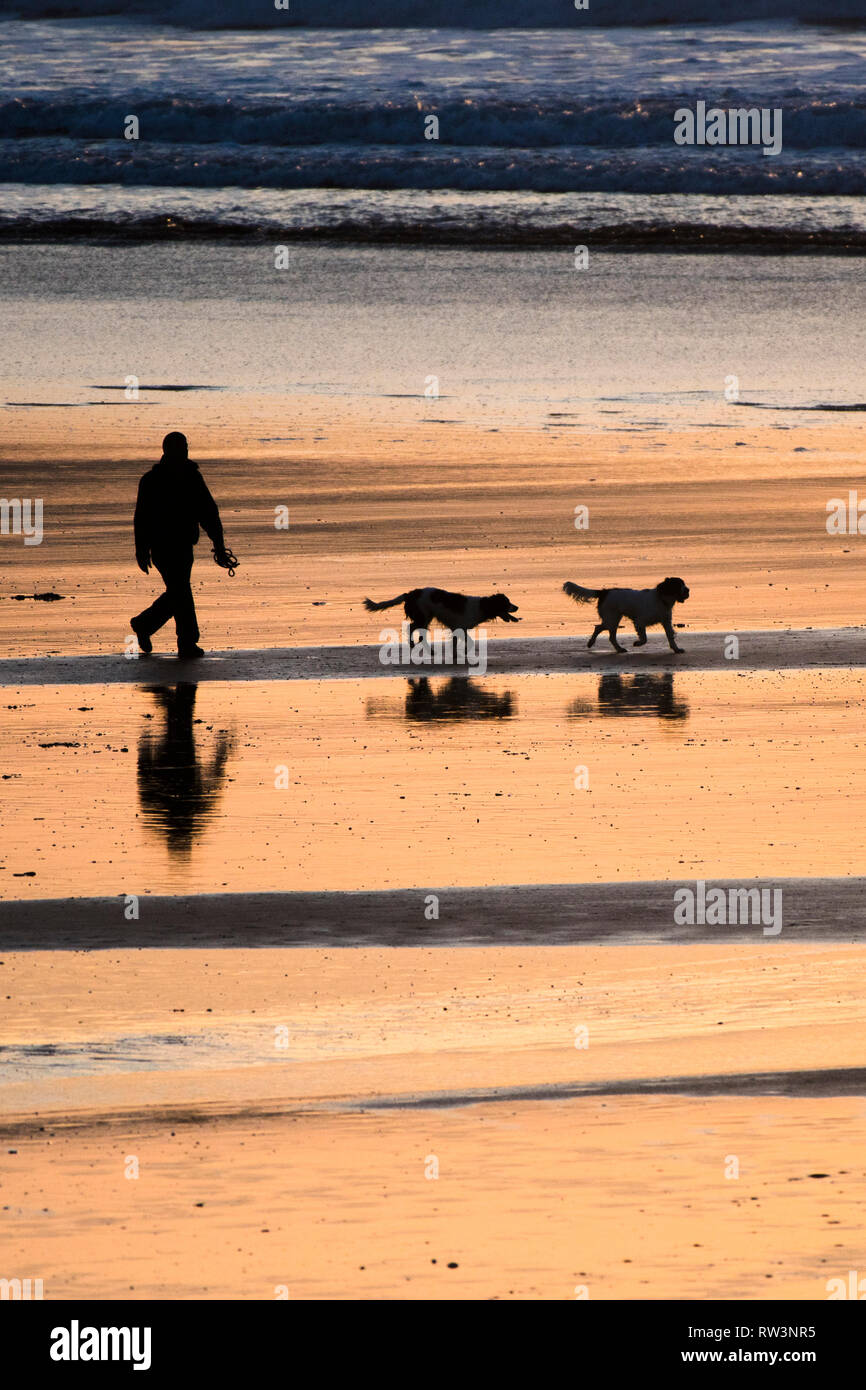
x=771 y=650
x=558 y=1166
x=812 y=909
x=104 y=1033
x=372 y=785
x=606 y=1167
x=737 y=510
x=625 y=1198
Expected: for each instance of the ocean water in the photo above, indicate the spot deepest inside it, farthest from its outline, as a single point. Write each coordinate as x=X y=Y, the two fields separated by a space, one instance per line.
x=544 y=133
x=218 y=337
x=549 y=138
x=474 y=14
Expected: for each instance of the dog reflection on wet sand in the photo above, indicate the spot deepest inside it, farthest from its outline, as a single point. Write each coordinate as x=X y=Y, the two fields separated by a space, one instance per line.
x=177 y=791
x=455 y=698
x=640 y=694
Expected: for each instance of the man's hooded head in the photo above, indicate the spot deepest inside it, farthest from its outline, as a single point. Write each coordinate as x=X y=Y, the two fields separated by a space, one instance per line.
x=175 y=448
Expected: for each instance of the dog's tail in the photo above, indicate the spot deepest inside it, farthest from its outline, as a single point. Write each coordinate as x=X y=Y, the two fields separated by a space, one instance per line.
x=581 y=595
x=372 y=607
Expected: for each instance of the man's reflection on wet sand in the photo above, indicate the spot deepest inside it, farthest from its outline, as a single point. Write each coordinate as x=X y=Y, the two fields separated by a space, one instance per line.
x=178 y=792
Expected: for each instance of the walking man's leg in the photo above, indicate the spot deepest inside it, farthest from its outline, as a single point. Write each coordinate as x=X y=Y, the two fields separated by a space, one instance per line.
x=185 y=619
x=176 y=568
x=156 y=616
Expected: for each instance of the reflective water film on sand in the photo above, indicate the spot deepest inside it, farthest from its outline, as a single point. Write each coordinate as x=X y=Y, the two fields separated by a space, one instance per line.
x=389 y=783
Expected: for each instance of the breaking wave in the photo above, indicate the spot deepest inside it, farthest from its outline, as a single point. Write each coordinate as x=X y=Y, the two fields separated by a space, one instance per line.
x=473 y=14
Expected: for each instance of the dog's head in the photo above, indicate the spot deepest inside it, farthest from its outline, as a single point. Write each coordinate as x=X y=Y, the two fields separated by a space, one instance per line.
x=498 y=606
x=672 y=591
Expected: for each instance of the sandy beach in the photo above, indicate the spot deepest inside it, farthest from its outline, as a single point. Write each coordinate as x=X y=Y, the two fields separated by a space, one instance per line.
x=289 y=1041
x=377 y=784
x=346 y=1165
x=230 y=1211
x=368 y=516
x=330 y=977
x=284 y=812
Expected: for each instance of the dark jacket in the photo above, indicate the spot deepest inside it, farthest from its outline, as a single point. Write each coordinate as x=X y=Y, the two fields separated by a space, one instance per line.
x=173 y=501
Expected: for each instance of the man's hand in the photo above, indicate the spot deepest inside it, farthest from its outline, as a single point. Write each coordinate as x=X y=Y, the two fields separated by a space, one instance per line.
x=224 y=558
x=143 y=561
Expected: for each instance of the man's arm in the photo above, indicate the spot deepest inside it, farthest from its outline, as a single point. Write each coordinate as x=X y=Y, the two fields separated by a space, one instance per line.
x=141 y=527
x=209 y=517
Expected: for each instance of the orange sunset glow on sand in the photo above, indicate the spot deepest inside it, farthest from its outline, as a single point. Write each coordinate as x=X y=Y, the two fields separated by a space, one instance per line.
x=328 y=974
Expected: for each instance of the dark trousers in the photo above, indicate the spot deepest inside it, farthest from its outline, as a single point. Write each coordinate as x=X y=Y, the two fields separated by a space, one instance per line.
x=177 y=602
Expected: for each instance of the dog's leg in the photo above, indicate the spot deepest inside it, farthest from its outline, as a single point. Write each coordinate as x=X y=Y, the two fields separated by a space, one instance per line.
x=641 y=635
x=417 y=628
x=599 y=627
x=669 y=633
x=611 y=632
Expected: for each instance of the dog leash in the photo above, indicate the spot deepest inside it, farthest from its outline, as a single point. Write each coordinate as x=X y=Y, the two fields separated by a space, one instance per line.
x=226 y=560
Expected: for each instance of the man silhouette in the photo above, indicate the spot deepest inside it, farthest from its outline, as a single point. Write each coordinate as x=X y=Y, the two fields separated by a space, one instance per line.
x=178 y=790
x=173 y=501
